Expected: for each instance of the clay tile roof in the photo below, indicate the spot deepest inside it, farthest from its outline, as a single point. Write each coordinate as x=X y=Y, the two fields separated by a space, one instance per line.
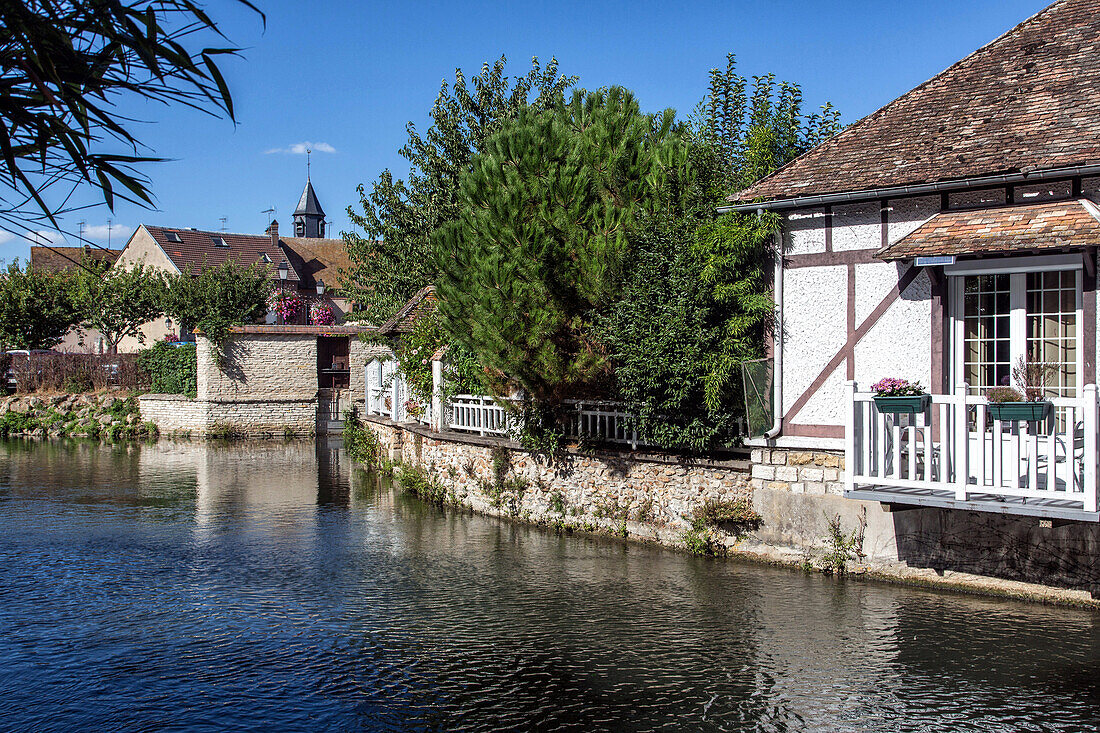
x=1030 y=100
x=402 y=321
x=197 y=247
x=63 y=259
x=318 y=259
x=1031 y=227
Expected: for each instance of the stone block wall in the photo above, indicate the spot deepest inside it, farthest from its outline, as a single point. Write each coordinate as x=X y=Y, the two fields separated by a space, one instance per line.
x=651 y=493
x=175 y=414
x=798 y=471
x=259 y=366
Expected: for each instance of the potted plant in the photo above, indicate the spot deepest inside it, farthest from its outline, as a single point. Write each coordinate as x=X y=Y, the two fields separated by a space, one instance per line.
x=900 y=397
x=1009 y=403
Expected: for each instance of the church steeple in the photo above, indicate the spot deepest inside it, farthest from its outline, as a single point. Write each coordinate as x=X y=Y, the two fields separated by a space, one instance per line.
x=309 y=217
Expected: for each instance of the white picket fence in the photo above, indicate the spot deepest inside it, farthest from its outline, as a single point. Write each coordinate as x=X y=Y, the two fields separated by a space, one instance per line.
x=956 y=449
x=386 y=393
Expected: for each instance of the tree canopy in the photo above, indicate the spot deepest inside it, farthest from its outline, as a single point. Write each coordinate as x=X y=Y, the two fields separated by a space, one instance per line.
x=64 y=67
x=546 y=215
x=118 y=302
x=218 y=297
x=392 y=259
x=36 y=308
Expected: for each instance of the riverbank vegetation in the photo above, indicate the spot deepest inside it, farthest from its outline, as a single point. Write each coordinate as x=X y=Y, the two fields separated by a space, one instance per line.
x=576 y=249
x=103 y=416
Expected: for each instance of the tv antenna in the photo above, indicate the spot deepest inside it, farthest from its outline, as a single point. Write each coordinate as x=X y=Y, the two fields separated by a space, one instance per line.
x=109 y=222
x=223 y=220
x=80 y=229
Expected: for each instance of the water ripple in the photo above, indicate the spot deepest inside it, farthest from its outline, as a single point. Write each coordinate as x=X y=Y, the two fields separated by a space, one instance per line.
x=191 y=587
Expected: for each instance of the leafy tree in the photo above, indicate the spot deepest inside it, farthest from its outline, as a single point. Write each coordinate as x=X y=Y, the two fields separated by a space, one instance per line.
x=392 y=260
x=36 y=308
x=218 y=297
x=120 y=301
x=546 y=217
x=64 y=67
x=697 y=301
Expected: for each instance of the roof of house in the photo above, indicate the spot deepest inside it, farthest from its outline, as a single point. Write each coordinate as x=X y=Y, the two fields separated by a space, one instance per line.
x=1021 y=228
x=318 y=259
x=402 y=321
x=196 y=248
x=1027 y=101
x=62 y=259
x=309 y=204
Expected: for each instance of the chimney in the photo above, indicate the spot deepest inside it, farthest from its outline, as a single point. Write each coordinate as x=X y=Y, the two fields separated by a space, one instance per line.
x=273 y=232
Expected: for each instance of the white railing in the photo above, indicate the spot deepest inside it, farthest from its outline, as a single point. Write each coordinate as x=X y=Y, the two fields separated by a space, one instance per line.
x=604 y=421
x=957 y=449
x=478 y=414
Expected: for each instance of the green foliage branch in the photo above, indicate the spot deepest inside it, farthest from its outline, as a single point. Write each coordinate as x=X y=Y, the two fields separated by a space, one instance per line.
x=218 y=297
x=546 y=218
x=64 y=66
x=392 y=260
x=36 y=308
x=120 y=300
x=172 y=368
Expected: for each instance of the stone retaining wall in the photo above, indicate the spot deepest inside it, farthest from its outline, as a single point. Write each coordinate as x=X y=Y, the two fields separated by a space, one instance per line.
x=179 y=414
x=795 y=492
x=645 y=496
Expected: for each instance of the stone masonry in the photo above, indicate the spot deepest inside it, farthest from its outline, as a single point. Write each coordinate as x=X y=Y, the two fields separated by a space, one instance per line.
x=798 y=471
x=650 y=497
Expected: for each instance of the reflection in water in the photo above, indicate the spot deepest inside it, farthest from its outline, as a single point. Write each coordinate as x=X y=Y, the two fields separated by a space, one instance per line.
x=197 y=585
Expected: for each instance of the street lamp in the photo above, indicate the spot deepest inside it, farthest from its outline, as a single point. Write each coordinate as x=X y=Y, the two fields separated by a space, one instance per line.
x=284 y=270
x=320 y=286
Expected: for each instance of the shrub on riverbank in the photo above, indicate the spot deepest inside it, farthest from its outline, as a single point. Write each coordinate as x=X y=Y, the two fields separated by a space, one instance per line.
x=172 y=369
x=104 y=416
x=360 y=441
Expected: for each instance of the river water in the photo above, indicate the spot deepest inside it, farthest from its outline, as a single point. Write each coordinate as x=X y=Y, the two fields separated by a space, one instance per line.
x=211 y=587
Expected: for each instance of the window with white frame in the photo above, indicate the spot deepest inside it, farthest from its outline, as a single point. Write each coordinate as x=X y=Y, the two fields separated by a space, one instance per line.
x=1006 y=312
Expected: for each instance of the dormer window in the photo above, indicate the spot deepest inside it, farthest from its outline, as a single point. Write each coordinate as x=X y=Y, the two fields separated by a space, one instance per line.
x=173 y=238
x=219 y=242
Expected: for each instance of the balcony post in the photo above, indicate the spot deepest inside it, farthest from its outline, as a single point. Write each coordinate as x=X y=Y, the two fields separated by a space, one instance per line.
x=437 y=395
x=1089 y=468
x=850 y=437
x=962 y=441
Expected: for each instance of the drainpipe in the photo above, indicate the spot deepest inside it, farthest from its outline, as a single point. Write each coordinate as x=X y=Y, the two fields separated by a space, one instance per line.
x=777 y=360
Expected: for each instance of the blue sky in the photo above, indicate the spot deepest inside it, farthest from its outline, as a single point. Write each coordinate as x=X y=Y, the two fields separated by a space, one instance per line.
x=348 y=76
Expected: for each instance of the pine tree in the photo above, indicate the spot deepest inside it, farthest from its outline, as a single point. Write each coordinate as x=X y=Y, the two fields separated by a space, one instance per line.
x=546 y=216
x=391 y=260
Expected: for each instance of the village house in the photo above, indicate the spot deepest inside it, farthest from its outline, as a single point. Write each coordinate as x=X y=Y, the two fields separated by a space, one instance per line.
x=307 y=264
x=941 y=239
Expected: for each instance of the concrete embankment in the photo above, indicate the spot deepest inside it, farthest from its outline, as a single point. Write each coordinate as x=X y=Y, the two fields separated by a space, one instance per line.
x=660 y=498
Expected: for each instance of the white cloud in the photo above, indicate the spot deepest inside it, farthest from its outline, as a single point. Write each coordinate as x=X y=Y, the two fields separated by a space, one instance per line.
x=119 y=232
x=301 y=148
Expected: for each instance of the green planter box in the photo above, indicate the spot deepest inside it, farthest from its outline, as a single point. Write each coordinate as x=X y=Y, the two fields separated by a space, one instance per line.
x=1029 y=411
x=909 y=405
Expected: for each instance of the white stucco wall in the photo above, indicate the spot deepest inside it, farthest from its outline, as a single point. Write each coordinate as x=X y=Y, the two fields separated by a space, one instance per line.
x=143 y=249
x=857 y=226
x=804 y=232
x=816 y=310
x=814 y=324
x=899 y=344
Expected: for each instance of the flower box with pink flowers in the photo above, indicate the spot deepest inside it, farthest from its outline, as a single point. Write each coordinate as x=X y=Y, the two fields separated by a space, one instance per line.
x=900 y=397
